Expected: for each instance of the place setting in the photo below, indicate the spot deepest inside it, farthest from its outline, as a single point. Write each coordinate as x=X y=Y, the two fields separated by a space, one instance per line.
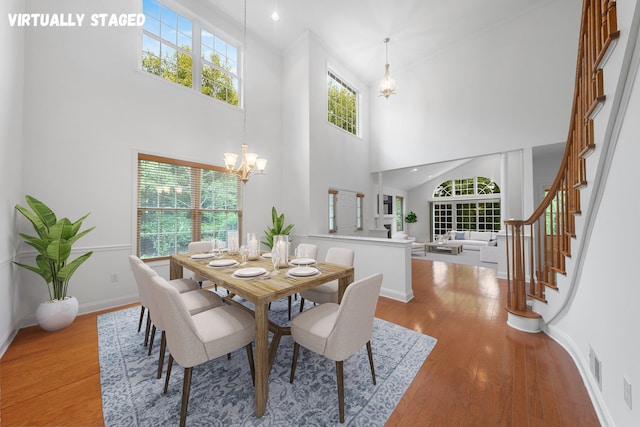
x=251 y=273
x=301 y=272
x=223 y=263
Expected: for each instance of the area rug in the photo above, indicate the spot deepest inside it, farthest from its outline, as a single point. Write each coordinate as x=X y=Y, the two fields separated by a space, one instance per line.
x=222 y=393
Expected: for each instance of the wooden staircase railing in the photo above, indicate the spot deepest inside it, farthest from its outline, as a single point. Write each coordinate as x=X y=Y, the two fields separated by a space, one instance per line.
x=533 y=263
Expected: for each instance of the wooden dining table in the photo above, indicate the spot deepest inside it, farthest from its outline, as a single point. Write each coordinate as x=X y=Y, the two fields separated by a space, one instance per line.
x=260 y=291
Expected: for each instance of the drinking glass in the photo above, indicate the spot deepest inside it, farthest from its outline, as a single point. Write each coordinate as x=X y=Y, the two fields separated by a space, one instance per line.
x=243 y=255
x=275 y=260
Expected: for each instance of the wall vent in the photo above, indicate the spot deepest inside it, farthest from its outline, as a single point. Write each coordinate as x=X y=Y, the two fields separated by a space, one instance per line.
x=596 y=367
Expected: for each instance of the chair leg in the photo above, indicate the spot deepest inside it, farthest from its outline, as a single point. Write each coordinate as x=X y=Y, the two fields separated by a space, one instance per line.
x=186 y=388
x=301 y=304
x=146 y=331
x=373 y=371
x=252 y=366
x=169 y=366
x=153 y=335
x=289 y=308
x=340 y=376
x=296 y=350
x=163 y=346
x=141 y=317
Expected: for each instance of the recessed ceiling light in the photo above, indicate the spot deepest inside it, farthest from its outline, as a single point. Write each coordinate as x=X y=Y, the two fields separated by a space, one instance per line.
x=414 y=170
x=275 y=17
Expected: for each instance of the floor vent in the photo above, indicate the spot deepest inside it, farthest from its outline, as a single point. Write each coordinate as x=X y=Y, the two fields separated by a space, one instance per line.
x=596 y=367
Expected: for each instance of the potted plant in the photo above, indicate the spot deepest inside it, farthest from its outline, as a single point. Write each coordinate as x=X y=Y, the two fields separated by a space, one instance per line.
x=278 y=228
x=53 y=242
x=411 y=218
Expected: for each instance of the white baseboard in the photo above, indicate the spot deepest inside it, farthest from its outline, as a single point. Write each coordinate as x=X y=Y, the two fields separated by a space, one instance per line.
x=398 y=296
x=583 y=367
x=4 y=345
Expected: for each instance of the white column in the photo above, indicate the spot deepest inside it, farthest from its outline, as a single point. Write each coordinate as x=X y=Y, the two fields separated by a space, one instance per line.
x=380 y=222
x=504 y=187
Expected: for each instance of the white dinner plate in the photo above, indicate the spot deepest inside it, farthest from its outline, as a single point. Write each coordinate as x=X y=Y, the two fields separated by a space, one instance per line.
x=303 y=271
x=202 y=256
x=249 y=272
x=222 y=262
x=266 y=255
x=303 y=261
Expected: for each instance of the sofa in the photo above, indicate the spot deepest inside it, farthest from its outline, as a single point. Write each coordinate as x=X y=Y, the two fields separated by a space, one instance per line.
x=470 y=240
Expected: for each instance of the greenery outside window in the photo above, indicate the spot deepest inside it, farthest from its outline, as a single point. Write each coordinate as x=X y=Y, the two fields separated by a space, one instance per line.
x=399 y=213
x=333 y=206
x=342 y=104
x=180 y=202
x=181 y=50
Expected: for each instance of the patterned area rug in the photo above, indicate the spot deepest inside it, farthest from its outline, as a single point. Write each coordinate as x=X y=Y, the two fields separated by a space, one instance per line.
x=222 y=393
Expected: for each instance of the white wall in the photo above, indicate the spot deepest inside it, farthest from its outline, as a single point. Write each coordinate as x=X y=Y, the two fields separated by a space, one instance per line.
x=603 y=314
x=319 y=155
x=11 y=88
x=88 y=109
x=508 y=88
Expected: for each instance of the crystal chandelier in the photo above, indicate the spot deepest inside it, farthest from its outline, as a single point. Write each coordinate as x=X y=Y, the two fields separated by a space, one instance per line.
x=248 y=160
x=388 y=84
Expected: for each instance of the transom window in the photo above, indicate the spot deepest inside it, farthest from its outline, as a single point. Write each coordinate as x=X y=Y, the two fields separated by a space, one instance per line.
x=466 y=187
x=180 y=202
x=342 y=104
x=183 y=51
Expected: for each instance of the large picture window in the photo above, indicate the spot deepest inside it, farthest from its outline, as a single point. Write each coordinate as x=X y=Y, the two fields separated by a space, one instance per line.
x=180 y=202
x=470 y=205
x=183 y=51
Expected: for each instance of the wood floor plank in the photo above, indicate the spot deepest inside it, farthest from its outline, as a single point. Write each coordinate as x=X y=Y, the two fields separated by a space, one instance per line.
x=481 y=372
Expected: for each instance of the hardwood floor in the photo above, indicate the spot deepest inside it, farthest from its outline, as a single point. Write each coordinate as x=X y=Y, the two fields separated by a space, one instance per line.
x=481 y=372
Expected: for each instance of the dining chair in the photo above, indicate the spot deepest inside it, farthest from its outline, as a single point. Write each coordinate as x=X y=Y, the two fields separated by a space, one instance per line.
x=196 y=301
x=181 y=285
x=303 y=250
x=328 y=292
x=196 y=339
x=337 y=331
x=197 y=247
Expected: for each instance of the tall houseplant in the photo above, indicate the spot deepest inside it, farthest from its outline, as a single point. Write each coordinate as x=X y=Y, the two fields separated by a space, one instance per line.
x=53 y=241
x=277 y=228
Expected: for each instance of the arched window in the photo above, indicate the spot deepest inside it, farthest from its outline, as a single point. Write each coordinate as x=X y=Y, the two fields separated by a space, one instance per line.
x=467 y=204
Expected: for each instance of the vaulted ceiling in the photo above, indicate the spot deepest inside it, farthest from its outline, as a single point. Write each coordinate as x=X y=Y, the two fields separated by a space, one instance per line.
x=355 y=29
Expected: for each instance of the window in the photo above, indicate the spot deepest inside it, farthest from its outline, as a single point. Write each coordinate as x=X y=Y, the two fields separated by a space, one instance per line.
x=333 y=206
x=359 y=205
x=399 y=213
x=478 y=211
x=180 y=202
x=342 y=104
x=170 y=50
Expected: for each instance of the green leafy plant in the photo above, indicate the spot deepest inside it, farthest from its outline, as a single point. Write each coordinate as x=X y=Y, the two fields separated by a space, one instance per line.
x=53 y=242
x=411 y=217
x=277 y=228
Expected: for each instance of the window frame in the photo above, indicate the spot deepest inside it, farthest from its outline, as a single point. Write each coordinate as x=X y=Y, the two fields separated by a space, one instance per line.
x=332 y=74
x=399 y=213
x=197 y=71
x=196 y=211
x=333 y=211
x=359 y=211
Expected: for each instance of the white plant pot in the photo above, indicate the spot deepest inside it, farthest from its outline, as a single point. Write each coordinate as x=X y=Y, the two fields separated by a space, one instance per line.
x=56 y=315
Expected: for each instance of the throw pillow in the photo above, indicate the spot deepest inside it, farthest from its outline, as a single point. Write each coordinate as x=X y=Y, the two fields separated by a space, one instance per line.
x=493 y=242
x=459 y=235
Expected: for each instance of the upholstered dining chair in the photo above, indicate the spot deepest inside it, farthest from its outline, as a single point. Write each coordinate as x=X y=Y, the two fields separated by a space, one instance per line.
x=337 y=331
x=197 y=247
x=303 y=250
x=196 y=301
x=181 y=285
x=328 y=292
x=195 y=339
